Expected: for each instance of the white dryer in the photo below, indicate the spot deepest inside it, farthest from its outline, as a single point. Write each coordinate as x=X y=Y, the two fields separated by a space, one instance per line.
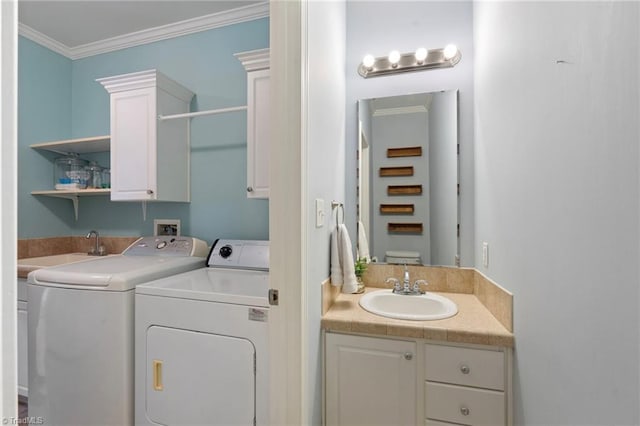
x=201 y=341
x=80 y=330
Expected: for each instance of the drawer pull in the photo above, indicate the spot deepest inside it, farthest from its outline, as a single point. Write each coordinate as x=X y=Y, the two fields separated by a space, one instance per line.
x=408 y=356
x=464 y=411
x=465 y=369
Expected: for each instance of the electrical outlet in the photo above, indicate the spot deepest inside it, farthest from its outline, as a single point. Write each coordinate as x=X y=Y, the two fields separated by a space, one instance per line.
x=166 y=227
x=485 y=254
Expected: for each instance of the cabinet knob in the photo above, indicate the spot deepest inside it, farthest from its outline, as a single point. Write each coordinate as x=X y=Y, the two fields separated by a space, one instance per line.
x=249 y=189
x=149 y=191
x=408 y=356
x=465 y=369
x=464 y=411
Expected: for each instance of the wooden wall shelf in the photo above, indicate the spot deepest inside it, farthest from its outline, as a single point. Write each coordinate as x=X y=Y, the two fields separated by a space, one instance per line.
x=409 y=228
x=404 y=190
x=396 y=208
x=413 y=151
x=396 y=171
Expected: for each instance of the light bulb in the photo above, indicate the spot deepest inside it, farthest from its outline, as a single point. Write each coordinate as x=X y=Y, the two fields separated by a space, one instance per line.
x=394 y=58
x=450 y=51
x=421 y=55
x=368 y=62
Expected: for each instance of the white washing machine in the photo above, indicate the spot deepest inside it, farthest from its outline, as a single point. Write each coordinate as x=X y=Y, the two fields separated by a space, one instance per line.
x=202 y=343
x=80 y=330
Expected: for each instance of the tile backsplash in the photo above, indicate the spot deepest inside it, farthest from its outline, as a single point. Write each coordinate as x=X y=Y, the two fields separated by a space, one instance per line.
x=37 y=247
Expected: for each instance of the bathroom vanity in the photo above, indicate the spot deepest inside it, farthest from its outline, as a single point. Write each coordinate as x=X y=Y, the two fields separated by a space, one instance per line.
x=381 y=371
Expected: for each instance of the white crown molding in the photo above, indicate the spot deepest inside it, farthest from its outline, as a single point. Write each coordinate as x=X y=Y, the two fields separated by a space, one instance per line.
x=176 y=29
x=254 y=60
x=43 y=40
x=143 y=80
x=399 y=110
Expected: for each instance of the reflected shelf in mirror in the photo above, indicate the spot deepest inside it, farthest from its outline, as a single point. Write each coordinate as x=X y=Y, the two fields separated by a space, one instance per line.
x=407 y=176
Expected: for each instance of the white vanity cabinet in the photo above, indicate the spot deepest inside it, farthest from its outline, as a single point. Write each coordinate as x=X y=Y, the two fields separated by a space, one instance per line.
x=370 y=381
x=256 y=63
x=465 y=385
x=149 y=156
x=384 y=381
x=23 y=372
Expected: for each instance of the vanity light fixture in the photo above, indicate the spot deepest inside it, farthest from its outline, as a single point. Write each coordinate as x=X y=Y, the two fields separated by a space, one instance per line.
x=420 y=60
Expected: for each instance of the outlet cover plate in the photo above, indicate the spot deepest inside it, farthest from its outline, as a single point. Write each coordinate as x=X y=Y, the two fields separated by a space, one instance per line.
x=166 y=227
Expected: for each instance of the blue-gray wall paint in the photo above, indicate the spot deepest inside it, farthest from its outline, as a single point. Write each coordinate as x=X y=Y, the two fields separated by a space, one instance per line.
x=44 y=114
x=557 y=161
x=324 y=164
x=377 y=27
x=204 y=63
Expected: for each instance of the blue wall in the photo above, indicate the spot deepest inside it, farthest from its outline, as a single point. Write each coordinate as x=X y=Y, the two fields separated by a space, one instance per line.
x=44 y=114
x=204 y=63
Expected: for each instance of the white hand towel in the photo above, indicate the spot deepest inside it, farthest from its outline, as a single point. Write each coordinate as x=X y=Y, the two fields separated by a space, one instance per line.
x=336 y=267
x=363 y=244
x=342 y=267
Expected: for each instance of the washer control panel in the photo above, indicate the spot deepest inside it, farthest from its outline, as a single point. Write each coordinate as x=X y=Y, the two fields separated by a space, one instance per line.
x=240 y=254
x=167 y=245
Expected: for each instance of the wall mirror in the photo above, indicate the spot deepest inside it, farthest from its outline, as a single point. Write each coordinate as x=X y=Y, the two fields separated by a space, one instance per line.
x=407 y=178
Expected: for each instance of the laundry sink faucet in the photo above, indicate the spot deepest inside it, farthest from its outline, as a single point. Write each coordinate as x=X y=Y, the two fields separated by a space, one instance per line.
x=98 y=250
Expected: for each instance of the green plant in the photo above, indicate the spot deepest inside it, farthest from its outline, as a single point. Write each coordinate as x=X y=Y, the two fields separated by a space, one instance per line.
x=360 y=266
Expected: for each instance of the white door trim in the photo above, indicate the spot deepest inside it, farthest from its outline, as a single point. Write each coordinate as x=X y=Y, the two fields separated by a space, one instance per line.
x=8 y=228
x=288 y=321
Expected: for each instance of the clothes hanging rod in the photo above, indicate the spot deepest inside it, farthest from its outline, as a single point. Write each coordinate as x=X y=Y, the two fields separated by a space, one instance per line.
x=199 y=113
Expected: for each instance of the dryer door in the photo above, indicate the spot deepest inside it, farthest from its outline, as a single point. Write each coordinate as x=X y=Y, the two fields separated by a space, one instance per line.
x=198 y=378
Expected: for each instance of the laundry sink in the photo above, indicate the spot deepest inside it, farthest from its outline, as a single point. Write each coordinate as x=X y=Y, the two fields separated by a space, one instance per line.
x=423 y=307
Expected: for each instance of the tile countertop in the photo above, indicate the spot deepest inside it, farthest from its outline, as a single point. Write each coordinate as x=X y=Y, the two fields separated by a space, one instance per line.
x=472 y=324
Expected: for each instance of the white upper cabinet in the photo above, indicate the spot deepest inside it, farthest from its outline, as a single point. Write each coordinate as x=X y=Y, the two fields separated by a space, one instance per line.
x=149 y=156
x=256 y=62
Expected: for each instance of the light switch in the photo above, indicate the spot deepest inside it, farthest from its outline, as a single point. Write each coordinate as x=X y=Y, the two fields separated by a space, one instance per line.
x=319 y=213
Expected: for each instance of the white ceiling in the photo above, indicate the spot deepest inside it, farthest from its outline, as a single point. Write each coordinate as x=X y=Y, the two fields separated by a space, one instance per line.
x=79 y=22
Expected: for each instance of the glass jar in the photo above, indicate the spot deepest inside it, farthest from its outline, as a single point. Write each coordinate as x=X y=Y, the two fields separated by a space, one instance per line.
x=70 y=173
x=95 y=175
x=106 y=178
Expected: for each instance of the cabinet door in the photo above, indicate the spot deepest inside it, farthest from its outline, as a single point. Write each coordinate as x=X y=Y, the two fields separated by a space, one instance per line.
x=133 y=149
x=370 y=381
x=258 y=128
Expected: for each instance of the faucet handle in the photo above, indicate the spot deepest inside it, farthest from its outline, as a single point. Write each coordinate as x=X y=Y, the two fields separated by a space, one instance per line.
x=395 y=282
x=417 y=284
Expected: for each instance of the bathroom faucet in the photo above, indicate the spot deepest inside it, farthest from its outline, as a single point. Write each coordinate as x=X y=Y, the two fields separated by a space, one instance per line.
x=406 y=281
x=97 y=250
x=406 y=289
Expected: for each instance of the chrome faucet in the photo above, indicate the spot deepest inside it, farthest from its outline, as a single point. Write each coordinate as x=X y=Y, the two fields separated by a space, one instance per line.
x=98 y=250
x=406 y=289
x=405 y=281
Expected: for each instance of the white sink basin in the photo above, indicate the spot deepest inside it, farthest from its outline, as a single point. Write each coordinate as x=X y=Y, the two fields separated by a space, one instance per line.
x=428 y=306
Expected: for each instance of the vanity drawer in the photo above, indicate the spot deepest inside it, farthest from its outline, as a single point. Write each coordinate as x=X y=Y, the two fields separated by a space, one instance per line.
x=464 y=366
x=457 y=404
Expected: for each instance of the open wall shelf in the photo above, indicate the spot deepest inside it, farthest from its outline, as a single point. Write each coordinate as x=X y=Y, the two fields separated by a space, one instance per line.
x=73 y=195
x=79 y=146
